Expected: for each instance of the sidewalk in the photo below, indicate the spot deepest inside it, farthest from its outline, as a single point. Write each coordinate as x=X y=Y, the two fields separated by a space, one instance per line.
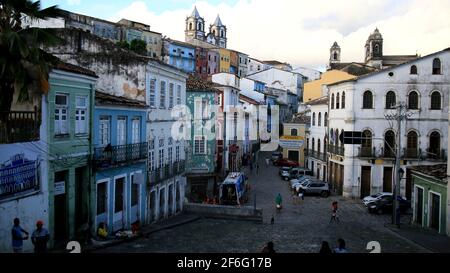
x=428 y=239
x=178 y=220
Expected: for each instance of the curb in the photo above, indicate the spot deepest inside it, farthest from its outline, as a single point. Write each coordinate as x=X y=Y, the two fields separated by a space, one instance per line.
x=417 y=244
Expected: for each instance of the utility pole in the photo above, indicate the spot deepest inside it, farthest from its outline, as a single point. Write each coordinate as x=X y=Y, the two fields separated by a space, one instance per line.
x=400 y=115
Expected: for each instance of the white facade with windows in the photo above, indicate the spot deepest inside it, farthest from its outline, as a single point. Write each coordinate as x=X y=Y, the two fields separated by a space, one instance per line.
x=423 y=85
x=166 y=88
x=317 y=138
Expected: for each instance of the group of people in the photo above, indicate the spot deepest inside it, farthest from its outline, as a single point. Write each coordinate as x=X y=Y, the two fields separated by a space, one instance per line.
x=39 y=237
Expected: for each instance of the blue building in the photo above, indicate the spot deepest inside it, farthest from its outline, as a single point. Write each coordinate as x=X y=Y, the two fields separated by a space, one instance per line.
x=120 y=161
x=180 y=55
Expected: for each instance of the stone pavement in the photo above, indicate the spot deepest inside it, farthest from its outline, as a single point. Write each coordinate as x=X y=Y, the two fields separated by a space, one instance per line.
x=297 y=228
x=428 y=239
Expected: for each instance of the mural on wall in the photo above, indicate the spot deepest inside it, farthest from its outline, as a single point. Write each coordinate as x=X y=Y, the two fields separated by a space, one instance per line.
x=18 y=176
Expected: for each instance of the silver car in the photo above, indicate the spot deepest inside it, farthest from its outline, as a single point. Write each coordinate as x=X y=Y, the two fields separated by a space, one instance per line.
x=315 y=187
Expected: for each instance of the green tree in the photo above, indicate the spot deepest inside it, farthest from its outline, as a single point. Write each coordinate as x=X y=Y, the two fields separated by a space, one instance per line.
x=24 y=67
x=123 y=44
x=139 y=47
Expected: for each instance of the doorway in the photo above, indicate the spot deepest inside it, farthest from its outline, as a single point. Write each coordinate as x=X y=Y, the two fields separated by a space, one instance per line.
x=119 y=204
x=293 y=155
x=365 y=181
x=419 y=206
x=60 y=207
x=162 y=202
x=170 y=199
x=153 y=206
x=387 y=179
x=435 y=211
x=135 y=198
x=178 y=197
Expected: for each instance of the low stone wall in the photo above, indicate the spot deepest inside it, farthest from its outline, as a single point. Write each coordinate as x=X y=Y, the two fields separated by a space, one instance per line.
x=225 y=212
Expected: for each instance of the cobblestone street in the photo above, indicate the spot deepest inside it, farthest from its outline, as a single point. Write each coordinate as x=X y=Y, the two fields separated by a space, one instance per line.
x=297 y=228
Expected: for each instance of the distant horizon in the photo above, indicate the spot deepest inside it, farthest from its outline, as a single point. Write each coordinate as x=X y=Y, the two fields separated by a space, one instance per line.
x=408 y=27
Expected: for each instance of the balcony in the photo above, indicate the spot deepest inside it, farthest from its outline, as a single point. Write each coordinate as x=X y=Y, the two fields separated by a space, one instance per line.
x=316 y=155
x=411 y=153
x=168 y=171
x=367 y=152
x=435 y=155
x=111 y=156
x=19 y=126
x=337 y=150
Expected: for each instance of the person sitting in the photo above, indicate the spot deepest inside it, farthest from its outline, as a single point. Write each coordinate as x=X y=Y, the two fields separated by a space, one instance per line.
x=102 y=231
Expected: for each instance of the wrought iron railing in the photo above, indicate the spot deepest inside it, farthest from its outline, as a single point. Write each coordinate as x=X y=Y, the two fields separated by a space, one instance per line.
x=316 y=155
x=110 y=156
x=337 y=150
x=368 y=152
x=19 y=126
x=167 y=171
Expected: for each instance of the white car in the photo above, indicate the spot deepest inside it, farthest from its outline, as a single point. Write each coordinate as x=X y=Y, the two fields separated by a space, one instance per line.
x=375 y=197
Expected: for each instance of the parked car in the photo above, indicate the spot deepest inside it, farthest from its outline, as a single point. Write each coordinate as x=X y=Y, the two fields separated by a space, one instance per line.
x=375 y=197
x=384 y=205
x=284 y=162
x=298 y=180
x=315 y=187
x=298 y=185
x=283 y=170
x=276 y=156
x=291 y=174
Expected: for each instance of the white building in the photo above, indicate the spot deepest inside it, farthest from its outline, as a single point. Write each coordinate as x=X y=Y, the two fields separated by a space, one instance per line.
x=316 y=138
x=360 y=105
x=166 y=88
x=254 y=66
x=250 y=89
x=311 y=74
x=229 y=84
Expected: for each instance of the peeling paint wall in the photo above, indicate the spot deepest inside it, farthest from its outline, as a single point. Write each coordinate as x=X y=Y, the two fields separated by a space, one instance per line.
x=120 y=72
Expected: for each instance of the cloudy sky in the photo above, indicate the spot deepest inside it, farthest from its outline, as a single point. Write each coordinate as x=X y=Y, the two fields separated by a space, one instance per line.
x=296 y=31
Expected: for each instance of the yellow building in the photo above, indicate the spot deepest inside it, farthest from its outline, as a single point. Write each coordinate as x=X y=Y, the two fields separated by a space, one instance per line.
x=293 y=140
x=225 y=58
x=313 y=89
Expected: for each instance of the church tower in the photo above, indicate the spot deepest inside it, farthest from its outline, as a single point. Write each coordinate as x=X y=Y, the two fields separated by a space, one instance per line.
x=374 y=49
x=219 y=32
x=195 y=27
x=335 y=54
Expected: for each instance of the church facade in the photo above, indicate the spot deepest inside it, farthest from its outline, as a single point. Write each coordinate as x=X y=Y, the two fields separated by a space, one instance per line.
x=195 y=31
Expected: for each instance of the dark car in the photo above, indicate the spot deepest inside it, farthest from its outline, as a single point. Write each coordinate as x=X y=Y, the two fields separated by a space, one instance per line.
x=384 y=205
x=284 y=162
x=276 y=156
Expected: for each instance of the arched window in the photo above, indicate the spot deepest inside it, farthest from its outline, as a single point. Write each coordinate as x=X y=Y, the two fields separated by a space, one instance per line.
x=332 y=101
x=412 y=145
x=336 y=137
x=376 y=49
x=324 y=146
x=437 y=67
x=335 y=56
x=294 y=132
x=337 y=101
x=366 y=145
x=435 y=100
x=221 y=33
x=319 y=121
x=190 y=26
x=367 y=100
x=390 y=100
x=434 y=150
x=318 y=145
x=325 y=120
x=413 y=70
x=313 y=144
x=342 y=133
x=413 y=100
x=314 y=119
x=343 y=100
x=389 y=144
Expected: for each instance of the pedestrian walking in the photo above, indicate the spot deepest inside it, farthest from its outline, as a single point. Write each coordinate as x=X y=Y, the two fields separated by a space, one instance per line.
x=325 y=249
x=40 y=238
x=295 y=199
x=341 y=247
x=267 y=162
x=334 y=211
x=301 y=195
x=17 y=236
x=278 y=201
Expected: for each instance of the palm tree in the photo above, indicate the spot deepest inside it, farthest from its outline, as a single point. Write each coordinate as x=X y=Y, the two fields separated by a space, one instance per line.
x=24 y=66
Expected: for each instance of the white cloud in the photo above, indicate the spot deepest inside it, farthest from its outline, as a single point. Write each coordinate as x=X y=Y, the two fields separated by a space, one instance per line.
x=73 y=2
x=301 y=32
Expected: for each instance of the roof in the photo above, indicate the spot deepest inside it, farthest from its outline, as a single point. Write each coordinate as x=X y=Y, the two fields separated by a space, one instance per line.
x=353 y=68
x=248 y=99
x=322 y=100
x=108 y=99
x=194 y=83
x=274 y=62
x=218 y=22
x=391 y=60
x=180 y=43
x=74 y=69
x=195 y=13
x=301 y=118
x=436 y=171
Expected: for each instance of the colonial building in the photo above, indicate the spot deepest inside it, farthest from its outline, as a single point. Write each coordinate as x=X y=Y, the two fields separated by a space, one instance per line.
x=422 y=86
x=374 y=55
x=293 y=140
x=180 y=55
x=166 y=93
x=120 y=162
x=317 y=138
x=255 y=66
x=195 y=31
x=315 y=89
x=46 y=144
